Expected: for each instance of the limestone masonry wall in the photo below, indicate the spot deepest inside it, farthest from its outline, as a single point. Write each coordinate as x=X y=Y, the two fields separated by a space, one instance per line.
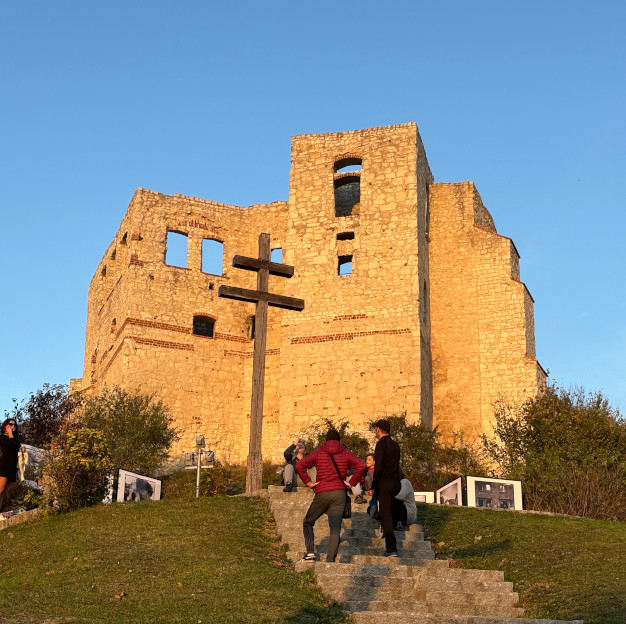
x=413 y=301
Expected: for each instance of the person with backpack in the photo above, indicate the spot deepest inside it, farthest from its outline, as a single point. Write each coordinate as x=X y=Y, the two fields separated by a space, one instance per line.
x=332 y=461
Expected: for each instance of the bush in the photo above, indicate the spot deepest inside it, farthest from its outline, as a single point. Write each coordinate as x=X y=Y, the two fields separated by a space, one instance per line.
x=215 y=481
x=568 y=448
x=136 y=428
x=315 y=436
x=18 y=496
x=76 y=469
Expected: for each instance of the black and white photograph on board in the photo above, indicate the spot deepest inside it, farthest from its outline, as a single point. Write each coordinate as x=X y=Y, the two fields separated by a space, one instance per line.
x=136 y=487
x=494 y=493
x=451 y=493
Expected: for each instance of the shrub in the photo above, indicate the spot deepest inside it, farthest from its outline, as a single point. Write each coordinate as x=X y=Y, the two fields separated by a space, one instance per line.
x=18 y=496
x=76 y=469
x=315 y=436
x=215 y=481
x=430 y=462
x=136 y=428
x=569 y=449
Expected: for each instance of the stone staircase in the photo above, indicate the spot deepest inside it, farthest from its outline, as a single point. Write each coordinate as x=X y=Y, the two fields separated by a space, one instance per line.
x=414 y=588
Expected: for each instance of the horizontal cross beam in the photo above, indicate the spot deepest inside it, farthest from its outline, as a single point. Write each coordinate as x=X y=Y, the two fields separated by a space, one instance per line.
x=253 y=296
x=254 y=264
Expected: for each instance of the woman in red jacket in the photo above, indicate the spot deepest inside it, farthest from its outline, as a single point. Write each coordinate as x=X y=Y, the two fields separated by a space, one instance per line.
x=330 y=490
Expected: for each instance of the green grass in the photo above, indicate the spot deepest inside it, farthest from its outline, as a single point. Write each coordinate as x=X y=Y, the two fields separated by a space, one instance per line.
x=563 y=568
x=210 y=560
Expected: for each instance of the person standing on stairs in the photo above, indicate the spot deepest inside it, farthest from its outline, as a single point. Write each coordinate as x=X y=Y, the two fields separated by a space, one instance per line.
x=386 y=482
x=330 y=490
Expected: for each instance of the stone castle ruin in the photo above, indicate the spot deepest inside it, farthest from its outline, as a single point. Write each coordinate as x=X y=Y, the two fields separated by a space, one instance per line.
x=414 y=302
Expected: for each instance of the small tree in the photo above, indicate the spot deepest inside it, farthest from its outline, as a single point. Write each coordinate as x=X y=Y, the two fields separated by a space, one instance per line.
x=76 y=469
x=42 y=414
x=138 y=429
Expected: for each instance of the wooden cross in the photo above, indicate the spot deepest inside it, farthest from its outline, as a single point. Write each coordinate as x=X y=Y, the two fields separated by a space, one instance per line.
x=264 y=268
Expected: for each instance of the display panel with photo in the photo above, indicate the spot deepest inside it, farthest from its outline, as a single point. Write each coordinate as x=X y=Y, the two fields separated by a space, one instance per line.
x=494 y=493
x=451 y=493
x=135 y=487
x=424 y=497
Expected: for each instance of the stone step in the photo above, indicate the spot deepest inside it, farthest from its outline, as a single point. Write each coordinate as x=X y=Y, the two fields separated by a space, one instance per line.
x=373 y=606
x=382 y=569
x=475 y=610
x=510 y=599
x=410 y=550
x=402 y=558
x=458 y=584
x=395 y=617
x=367 y=583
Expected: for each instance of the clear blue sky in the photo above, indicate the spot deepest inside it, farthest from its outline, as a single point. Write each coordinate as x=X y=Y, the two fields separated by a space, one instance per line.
x=201 y=98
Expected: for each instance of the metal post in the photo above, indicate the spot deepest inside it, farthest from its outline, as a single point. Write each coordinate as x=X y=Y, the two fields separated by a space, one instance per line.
x=198 y=452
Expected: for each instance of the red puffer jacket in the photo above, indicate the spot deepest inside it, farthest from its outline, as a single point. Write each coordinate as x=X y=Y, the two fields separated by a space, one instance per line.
x=327 y=477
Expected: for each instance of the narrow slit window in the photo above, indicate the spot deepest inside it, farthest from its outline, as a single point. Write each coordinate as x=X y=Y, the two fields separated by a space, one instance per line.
x=212 y=256
x=344 y=266
x=176 y=249
x=345 y=236
x=203 y=326
x=277 y=255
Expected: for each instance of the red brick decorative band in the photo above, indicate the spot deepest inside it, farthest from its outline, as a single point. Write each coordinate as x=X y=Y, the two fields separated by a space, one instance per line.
x=347 y=336
x=134 y=259
x=349 y=317
x=239 y=354
x=162 y=343
x=248 y=354
x=155 y=325
x=232 y=338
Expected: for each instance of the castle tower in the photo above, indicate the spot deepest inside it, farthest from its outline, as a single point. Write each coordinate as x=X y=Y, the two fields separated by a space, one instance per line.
x=387 y=263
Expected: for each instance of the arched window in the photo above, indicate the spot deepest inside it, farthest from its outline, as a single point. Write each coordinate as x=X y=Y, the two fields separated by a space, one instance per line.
x=212 y=256
x=348 y=163
x=176 y=249
x=347 y=184
x=203 y=326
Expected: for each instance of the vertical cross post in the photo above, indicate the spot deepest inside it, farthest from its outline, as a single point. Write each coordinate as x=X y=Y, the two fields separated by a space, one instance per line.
x=254 y=475
x=263 y=298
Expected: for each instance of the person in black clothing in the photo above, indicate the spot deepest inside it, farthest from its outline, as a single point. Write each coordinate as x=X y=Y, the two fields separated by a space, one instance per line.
x=386 y=482
x=293 y=454
x=9 y=448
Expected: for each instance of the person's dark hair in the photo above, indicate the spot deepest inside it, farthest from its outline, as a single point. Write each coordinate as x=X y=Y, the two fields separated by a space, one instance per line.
x=7 y=421
x=333 y=434
x=370 y=455
x=383 y=425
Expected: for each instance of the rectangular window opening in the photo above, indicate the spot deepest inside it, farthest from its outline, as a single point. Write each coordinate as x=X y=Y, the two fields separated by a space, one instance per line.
x=176 y=249
x=345 y=236
x=212 y=256
x=277 y=255
x=344 y=266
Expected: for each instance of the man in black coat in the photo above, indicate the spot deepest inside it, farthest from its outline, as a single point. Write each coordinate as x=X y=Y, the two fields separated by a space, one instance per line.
x=386 y=482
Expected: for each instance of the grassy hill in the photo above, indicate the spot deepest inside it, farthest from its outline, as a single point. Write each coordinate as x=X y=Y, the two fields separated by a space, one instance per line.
x=563 y=568
x=217 y=560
